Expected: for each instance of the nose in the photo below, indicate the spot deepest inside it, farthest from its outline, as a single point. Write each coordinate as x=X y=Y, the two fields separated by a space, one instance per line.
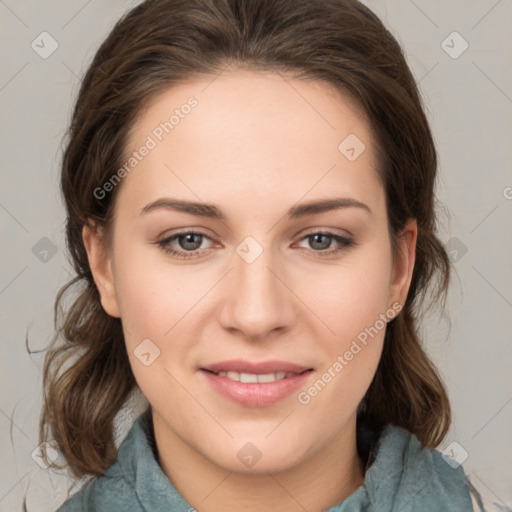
x=259 y=302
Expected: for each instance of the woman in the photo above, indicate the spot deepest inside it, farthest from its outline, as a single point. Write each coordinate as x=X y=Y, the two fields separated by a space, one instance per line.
x=250 y=196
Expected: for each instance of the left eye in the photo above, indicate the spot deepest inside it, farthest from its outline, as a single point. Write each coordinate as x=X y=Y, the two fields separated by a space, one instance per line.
x=322 y=241
x=189 y=243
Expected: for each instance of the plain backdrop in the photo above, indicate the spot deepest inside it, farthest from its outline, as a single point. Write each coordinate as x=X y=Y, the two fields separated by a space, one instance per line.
x=459 y=51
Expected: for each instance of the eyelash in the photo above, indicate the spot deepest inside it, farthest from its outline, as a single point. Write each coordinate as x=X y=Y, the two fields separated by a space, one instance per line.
x=345 y=243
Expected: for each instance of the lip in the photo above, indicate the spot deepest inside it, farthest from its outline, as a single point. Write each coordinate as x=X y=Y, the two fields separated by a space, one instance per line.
x=256 y=394
x=241 y=366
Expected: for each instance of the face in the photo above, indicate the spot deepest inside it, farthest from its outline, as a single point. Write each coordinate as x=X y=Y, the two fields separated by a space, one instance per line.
x=252 y=316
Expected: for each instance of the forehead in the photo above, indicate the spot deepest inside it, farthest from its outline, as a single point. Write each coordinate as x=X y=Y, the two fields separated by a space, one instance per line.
x=237 y=101
x=252 y=133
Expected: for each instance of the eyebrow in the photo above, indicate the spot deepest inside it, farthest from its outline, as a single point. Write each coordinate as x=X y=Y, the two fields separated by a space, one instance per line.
x=295 y=212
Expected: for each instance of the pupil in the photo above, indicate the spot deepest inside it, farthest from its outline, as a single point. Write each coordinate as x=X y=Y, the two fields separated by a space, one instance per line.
x=189 y=239
x=325 y=245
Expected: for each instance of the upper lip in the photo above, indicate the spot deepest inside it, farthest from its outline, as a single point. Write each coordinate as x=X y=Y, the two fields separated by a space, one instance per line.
x=260 y=368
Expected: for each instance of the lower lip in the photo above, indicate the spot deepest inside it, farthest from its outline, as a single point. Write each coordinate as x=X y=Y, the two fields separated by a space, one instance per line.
x=256 y=394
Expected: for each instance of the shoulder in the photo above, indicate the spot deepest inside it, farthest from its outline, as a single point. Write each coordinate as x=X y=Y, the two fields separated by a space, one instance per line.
x=134 y=483
x=103 y=493
x=117 y=488
x=407 y=476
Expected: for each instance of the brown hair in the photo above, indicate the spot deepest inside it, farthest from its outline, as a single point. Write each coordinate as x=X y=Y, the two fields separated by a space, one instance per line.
x=159 y=43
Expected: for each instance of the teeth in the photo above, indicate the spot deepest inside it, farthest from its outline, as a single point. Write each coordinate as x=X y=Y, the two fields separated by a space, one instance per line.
x=247 y=377
x=251 y=377
x=270 y=377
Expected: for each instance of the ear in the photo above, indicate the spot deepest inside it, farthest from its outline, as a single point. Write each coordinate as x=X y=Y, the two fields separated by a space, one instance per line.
x=100 y=262
x=403 y=265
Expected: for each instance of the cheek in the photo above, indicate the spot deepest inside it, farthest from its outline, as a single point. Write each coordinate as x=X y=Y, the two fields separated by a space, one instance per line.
x=154 y=308
x=353 y=304
x=357 y=315
x=154 y=296
x=352 y=297
x=160 y=303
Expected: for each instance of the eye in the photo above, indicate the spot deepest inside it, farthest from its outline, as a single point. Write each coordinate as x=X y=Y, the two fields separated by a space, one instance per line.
x=321 y=242
x=188 y=244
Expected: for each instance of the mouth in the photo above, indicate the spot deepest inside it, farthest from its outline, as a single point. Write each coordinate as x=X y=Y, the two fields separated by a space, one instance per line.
x=256 y=384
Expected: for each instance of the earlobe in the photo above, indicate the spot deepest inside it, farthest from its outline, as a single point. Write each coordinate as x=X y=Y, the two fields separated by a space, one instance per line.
x=101 y=268
x=403 y=264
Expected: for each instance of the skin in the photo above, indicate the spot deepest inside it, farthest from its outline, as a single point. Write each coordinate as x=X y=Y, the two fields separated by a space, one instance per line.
x=256 y=145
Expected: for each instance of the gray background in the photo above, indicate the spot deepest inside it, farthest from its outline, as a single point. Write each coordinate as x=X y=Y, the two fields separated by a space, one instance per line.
x=469 y=103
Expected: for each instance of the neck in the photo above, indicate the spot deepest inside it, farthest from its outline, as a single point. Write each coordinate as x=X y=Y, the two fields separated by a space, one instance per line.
x=318 y=483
